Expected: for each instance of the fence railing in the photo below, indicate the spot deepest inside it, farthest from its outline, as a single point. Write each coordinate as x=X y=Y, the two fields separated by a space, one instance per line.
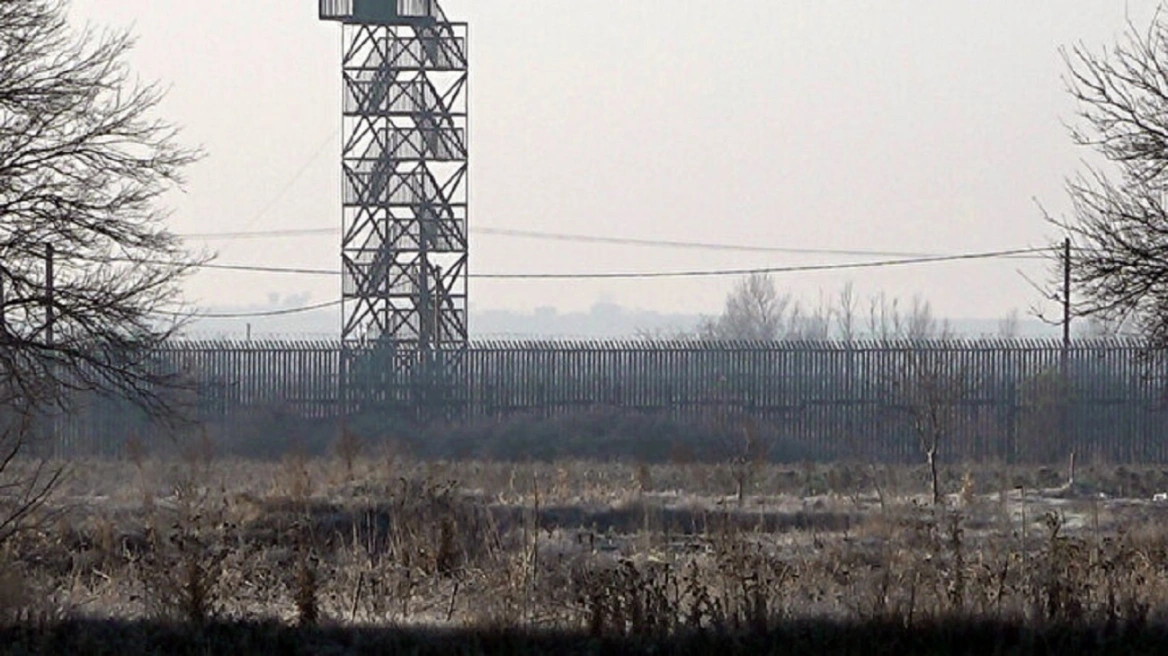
x=1007 y=400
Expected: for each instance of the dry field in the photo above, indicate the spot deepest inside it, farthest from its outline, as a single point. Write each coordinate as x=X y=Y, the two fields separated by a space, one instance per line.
x=611 y=551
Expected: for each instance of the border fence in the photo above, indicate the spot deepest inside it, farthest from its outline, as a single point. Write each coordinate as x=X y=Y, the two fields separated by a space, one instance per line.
x=986 y=400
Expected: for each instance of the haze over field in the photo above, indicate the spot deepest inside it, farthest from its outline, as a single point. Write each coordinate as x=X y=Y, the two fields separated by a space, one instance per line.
x=603 y=319
x=906 y=126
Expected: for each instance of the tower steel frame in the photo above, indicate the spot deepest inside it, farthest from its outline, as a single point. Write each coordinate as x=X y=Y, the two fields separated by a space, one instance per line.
x=405 y=199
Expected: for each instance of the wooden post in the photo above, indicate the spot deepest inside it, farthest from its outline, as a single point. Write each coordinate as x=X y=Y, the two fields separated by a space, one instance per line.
x=50 y=294
x=1064 y=372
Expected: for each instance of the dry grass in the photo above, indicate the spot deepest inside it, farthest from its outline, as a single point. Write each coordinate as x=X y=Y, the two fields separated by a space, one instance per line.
x=369 y=538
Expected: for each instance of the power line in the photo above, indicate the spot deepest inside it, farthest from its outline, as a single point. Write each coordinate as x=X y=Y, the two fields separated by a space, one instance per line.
x=269 y=269
x=599 y=239
x=593 y=276
x=231 y=267
x=259 y=234
x=268 y=313
x=575 y=238
x=293 y=180
x=578 y=238
x=633 y=241
x=657 y=274
x=739 y=272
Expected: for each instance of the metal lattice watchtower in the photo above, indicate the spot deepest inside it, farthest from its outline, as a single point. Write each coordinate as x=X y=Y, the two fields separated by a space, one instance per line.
x=404 y=233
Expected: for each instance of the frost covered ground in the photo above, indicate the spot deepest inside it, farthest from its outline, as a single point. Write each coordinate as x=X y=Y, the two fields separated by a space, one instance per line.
x=605 y=548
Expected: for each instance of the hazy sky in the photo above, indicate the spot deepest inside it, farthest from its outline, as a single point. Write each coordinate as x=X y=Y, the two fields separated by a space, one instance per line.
x=906 y=126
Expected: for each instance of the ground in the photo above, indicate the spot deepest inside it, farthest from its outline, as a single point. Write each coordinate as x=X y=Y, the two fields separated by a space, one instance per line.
x=608 y=550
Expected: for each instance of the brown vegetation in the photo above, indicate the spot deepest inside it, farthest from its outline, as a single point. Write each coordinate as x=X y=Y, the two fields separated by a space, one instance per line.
x=636 y=551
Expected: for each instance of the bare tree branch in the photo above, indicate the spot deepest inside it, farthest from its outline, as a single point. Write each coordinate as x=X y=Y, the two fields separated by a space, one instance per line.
x=83 y=168
x=1119 y=223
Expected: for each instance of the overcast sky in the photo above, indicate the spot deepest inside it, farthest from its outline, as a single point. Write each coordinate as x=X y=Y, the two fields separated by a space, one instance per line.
x=903 y=126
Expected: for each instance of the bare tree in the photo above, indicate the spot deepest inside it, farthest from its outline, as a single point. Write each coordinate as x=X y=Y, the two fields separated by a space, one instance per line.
x=89 y=275
x=925 y=390
x=929 y=394
x=884 y=320
x=1119 y=222
x=754 y=311
x=887 y=321
x=1008 y=325
x=845 y=313
x=815 y=324
x=660 y=333
x=921 y=324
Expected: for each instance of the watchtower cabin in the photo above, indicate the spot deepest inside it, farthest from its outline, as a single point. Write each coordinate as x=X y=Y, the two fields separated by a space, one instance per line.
x=381 y=12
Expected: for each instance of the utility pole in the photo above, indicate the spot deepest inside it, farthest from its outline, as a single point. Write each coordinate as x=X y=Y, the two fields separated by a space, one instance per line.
x=50 y=295
x=1064 y=370
x=1066 y=293
x=50 y=340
